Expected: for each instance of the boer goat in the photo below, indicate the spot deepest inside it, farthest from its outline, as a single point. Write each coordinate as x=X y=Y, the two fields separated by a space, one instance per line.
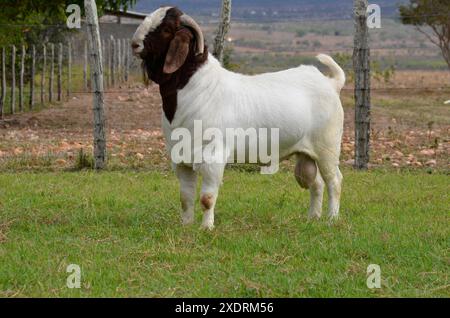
x=301 y=102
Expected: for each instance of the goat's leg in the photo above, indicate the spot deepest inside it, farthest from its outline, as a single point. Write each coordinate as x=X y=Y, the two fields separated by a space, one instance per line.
x=335 y=188
x=316 y=197
x=212 y=178
x=308 y=177
x=333 y=179
x=188 y=184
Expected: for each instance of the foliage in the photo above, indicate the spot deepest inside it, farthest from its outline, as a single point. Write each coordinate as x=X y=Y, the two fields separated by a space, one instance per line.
x=227 y=62
x=84 y=161
x=300 y=33
x=430 y=17
x=37 y=21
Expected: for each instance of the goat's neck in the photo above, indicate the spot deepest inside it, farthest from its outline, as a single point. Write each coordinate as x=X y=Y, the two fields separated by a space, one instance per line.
x=169 y=84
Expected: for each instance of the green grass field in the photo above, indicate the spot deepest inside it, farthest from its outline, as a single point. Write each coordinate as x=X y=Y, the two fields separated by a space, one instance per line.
x=123 y=229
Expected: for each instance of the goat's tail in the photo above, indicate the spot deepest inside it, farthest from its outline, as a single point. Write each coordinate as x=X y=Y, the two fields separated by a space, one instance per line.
x=336 y=71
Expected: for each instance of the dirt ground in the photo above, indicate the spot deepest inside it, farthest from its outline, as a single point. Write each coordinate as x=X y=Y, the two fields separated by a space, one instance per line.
x=53 y=137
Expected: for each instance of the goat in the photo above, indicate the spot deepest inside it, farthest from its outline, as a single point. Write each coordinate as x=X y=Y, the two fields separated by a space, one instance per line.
x=302 y=102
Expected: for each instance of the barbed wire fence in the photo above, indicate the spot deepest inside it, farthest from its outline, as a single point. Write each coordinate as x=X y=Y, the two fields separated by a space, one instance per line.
x=117 y=65
x=51 y=73
x=41 y=74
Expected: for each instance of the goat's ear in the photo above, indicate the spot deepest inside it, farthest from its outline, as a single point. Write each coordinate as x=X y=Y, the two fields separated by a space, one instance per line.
x=178 y=51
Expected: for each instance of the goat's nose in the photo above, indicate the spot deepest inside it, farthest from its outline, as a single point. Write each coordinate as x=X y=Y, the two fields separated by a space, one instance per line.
x=137 y=48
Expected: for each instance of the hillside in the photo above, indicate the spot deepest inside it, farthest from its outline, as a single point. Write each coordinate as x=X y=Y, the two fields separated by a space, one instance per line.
x=270 y=9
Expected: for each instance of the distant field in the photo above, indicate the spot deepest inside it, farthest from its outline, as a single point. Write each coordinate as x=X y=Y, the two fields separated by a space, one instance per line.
x=123 y=230
x=260 y=47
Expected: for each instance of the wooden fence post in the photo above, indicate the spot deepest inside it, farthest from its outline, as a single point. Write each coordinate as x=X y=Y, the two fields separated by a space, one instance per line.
x=85 y=67
x=21 y=77
x=118 y=66
x=52 y=71
x=119 y=60
x=60 y=61
x=123 y=45
x=127 y=59
x=13 y=79
x=224 y=26
x=104 y=66
x=361 y=65
x=69 y=68
x=97 y=84
x=44 y=70
x=3 y=93
x=110 y=67
x=106 y=63
x=113 y=61
x=32 y=74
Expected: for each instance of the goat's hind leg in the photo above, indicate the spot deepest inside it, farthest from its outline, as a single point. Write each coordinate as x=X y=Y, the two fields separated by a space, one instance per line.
x=334 y=190
x=188 y=184
x=333 y=179
x=308 y=177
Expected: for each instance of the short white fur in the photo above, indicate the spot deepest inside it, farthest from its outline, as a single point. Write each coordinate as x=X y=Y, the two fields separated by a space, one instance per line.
x=302 y=102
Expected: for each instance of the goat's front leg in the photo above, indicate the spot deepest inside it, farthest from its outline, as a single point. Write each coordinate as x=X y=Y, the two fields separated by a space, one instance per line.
x=188 y=184
x=212 y=178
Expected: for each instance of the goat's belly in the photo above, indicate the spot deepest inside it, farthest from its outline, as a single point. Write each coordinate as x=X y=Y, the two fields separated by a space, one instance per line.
x=254 y=145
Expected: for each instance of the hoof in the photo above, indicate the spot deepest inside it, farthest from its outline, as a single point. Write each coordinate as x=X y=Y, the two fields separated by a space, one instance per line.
x=333 y=218
x=207 y=227
x=187 y=219
x=314 y=216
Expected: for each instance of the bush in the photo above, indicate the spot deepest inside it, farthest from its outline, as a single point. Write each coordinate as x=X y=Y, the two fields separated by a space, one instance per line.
x=84 y=161
x=300 y=33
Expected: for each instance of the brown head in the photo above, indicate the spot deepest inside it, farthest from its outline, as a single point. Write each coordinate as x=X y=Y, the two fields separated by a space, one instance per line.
x=171 y=46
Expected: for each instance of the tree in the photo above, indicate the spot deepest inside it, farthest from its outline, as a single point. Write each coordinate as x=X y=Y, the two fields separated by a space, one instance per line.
x=432 y=18
x=35 y=21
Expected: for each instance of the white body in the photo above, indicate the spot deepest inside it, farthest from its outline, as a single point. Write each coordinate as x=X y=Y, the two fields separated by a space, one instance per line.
x=302 y=102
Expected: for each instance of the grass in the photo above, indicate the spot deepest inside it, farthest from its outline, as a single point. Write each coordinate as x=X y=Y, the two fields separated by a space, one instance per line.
x=416 y=109
x=123 y=229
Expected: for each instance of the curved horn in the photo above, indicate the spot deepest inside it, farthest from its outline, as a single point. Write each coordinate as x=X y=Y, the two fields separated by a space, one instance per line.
x=189 y=22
